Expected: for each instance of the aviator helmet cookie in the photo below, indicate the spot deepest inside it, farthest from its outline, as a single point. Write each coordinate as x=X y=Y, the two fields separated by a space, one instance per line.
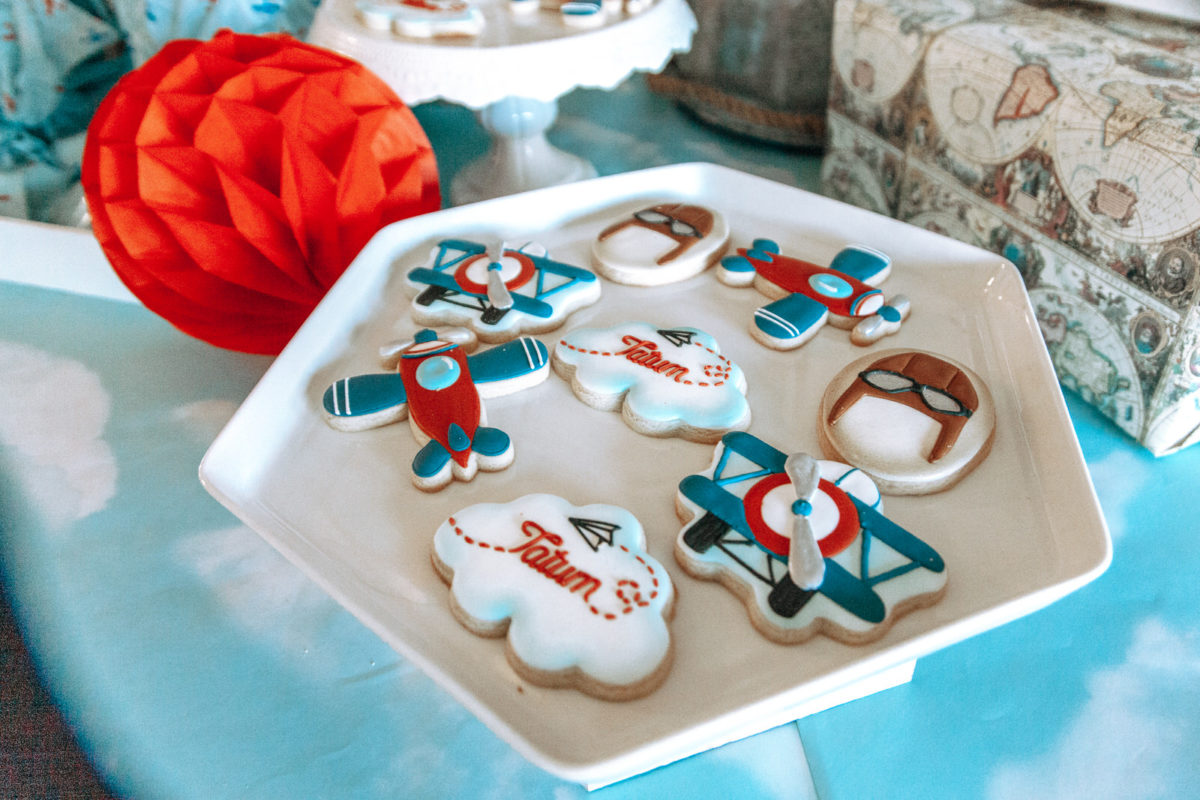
x=660 y=244
x=915 y=422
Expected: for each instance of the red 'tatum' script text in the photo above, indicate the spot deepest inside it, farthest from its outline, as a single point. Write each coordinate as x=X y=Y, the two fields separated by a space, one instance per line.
x=543 y=553
x=645 y=353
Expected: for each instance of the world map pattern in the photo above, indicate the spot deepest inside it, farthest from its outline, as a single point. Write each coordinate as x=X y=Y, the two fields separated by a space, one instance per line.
x=1065 y=140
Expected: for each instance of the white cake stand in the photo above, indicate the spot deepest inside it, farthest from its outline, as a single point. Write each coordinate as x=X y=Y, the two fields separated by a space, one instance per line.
x=512 y=73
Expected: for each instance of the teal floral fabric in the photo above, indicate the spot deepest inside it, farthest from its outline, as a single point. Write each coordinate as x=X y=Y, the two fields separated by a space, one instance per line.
x=58 y=59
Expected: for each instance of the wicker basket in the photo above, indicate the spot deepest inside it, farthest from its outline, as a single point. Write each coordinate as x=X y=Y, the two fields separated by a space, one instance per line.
x=758 y=68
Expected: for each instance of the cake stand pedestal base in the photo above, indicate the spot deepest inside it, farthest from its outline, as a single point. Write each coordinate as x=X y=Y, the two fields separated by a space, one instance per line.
x=520 y=157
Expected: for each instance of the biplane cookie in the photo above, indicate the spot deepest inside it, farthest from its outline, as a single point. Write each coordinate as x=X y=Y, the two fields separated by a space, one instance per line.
x=582 y=13
x=498 y=294
x=422 y=19
x=665 y=381
x=806 y=295
x=803 y=543
x=915 y=422
x=440 y=389
x=660 y=244
x=581 y=602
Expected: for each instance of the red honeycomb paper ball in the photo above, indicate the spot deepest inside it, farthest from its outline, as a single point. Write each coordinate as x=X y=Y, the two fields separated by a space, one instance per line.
x=232 y=181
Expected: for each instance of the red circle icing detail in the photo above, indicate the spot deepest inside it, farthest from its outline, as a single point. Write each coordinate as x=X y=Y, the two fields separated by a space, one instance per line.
x=764 y=534
x=474 y=287
x=847 y=527
x=831 y=544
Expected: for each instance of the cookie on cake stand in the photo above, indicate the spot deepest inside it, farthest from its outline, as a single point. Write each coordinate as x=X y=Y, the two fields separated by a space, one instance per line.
x=512 y=72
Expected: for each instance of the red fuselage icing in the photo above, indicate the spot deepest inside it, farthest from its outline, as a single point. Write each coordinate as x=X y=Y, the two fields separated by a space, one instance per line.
x=795 y=275
x=434 y=411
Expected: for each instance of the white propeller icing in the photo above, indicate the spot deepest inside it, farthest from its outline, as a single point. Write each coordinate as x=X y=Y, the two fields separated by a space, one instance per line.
x=497 y=293
x=390 y=353
x=806 y=565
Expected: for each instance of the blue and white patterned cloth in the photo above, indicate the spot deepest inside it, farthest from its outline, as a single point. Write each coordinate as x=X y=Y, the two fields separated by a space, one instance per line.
x=164 y=20
x=58 y=58
x=196 y=662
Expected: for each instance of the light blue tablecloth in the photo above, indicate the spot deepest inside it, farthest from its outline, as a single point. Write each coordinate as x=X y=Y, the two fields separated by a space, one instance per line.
x=197 y=663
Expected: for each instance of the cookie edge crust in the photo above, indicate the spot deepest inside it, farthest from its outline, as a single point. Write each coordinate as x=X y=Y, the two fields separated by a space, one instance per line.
x=572 y=677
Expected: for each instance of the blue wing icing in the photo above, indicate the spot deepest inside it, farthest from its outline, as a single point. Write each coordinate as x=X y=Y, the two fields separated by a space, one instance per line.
x=516 y=359
x=791 y=317
x=361 y=395
x=860 y=263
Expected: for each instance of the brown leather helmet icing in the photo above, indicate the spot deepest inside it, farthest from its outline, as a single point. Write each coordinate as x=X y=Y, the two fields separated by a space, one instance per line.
x=923 y=382
x=662 y=219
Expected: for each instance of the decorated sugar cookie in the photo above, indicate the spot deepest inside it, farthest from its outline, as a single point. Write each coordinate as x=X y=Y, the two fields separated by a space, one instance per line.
x=424 y=19
x=582 y=13
x=809 y=295
x=660 y=244
x=803 y=543
x=916 y=422
x=439 y=388
x=665 y=381
x=581 y=602
x=498 y=294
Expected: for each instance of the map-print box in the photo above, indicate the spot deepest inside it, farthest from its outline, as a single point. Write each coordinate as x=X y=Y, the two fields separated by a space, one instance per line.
x=1062 y=139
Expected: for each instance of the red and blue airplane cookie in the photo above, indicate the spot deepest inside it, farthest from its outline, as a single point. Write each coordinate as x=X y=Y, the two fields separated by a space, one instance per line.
x=843 y=294
x=499 y=294
x=803 y=542
x=440 y=389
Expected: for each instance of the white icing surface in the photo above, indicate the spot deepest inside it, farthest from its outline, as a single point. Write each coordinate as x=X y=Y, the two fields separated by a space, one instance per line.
x=777 y=509
x=891 y=432
x=552 y=627
x=509 y=267
x=608 y=372
x=634 y=245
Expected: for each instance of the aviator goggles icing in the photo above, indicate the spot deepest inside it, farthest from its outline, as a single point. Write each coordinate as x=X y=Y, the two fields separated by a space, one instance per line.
x=936 y=400
x=676 y=226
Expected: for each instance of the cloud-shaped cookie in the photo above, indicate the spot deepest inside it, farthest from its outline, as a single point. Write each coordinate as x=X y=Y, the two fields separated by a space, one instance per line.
x=666 y=381
x=580 y=600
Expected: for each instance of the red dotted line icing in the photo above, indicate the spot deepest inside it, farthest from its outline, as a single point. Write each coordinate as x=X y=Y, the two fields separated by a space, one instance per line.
x=570 y=346
x=478 y=543
x=722 y=370
x=628 y=591
x=633 y=599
